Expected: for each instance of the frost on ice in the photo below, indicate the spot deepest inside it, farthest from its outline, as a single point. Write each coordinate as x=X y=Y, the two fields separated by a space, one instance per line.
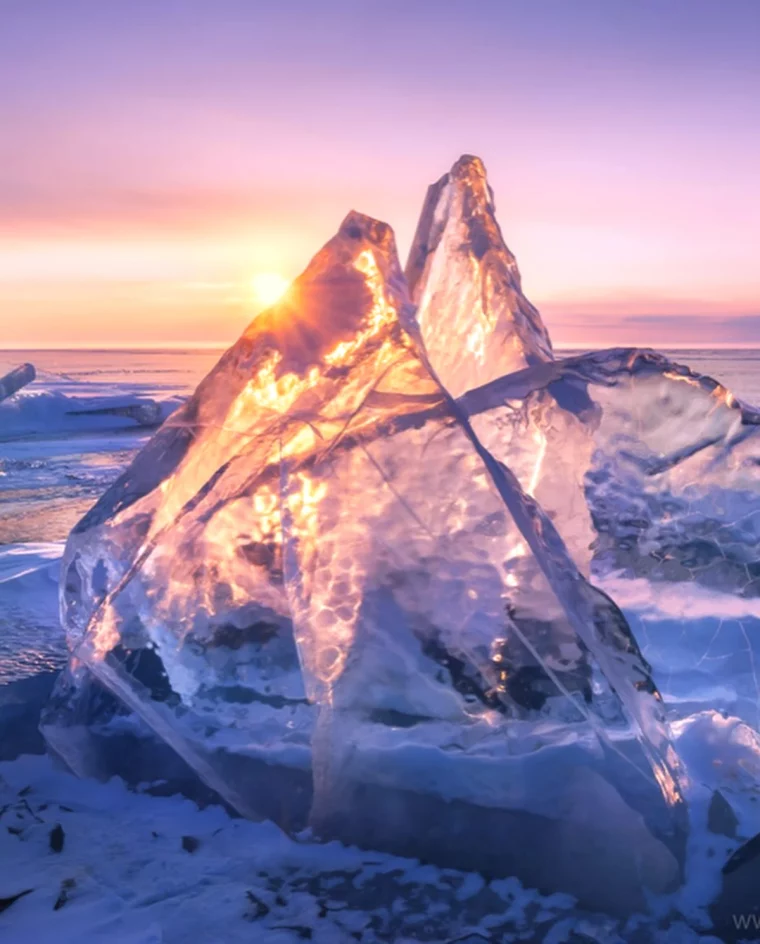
x=348 y=589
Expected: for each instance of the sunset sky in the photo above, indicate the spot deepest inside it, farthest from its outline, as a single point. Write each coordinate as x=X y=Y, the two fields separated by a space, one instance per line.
x=158 y=157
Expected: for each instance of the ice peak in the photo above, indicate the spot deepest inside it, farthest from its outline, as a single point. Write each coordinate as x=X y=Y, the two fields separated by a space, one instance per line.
x=467 y=163
x=359 y=227
x=360 y=240
x=350 y=291
x=471 y=172
x=475 y=321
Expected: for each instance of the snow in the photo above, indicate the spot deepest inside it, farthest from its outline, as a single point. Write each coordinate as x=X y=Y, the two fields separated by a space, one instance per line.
x=148 y=888
x=130 y=881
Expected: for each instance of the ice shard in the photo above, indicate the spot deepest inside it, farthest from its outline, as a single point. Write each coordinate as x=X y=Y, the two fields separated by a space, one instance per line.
x=475 y=321
x=13 y=381
x=646 y=468
x=477 y=326
x=317 y=566
x=672 y=486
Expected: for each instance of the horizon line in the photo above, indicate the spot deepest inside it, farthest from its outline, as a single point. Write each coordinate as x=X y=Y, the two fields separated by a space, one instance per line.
x=195 y=346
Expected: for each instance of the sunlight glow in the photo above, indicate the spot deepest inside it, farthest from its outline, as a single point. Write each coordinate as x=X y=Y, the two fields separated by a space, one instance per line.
x=268 y=288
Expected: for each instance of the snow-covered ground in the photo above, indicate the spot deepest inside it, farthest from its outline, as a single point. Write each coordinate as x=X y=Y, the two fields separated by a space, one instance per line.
x=140 y=869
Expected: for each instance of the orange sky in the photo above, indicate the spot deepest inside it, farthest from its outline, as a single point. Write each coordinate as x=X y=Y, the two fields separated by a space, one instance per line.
x=159 y=162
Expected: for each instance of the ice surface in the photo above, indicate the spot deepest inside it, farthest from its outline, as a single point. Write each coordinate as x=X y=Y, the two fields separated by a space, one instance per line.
x=316 y=565
x=67 y=436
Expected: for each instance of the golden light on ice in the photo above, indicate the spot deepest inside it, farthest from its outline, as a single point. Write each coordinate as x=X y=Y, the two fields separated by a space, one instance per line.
x=268 y=288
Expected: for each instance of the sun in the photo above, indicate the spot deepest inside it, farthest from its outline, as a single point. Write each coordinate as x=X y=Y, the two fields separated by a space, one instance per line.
x=268 y=288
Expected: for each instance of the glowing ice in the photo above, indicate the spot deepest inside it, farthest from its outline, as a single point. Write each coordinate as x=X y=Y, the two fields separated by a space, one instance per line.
x=477 y=326
x=316 y=564
x=475 y=322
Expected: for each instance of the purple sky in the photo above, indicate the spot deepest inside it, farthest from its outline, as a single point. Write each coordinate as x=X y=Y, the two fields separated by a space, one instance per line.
x=157 y=155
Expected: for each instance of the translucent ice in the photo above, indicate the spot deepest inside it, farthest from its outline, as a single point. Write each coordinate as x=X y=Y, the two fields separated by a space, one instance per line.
x=475 y=322
x=477 y=326
x=672 y=485
x=648 y=470
x=317 y=563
